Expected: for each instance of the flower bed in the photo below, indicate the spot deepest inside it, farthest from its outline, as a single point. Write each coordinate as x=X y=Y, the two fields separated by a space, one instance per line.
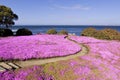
x=36 y=46
x=102 y=61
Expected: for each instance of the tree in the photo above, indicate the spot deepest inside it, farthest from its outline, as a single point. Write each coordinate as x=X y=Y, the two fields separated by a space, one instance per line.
x=7 y=16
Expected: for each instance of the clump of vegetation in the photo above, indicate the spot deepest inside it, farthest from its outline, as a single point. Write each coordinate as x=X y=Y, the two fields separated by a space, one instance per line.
x=1 y=31
x=23 y=31
x=51 y=31
x=108 y=34
x=111 y=33
x=100 y=35
x=63 y=32
x=5 y=32
x=89 y=32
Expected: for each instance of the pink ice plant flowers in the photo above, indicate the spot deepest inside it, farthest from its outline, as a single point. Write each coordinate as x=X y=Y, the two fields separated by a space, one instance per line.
x=102 y=61
x=36 y=46
x=32 y=73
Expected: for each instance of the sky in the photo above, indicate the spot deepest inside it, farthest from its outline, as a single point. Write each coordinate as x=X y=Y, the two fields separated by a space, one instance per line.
x=65 y=12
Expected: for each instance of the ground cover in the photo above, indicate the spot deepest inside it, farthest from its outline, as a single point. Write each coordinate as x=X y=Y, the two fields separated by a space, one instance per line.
x=101 y=63
x=36 y=46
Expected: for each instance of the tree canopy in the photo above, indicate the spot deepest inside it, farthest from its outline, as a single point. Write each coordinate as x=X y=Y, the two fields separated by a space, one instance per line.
x=7 y=16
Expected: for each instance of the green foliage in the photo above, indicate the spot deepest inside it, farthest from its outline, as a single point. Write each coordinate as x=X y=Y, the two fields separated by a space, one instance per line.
x=100 y=35
x=63 y=32
x=51 y=31
x=7 y=16
x=112 y=34
x=89 y=32
x=5 y=32
x=108 y=34
x=23 y=31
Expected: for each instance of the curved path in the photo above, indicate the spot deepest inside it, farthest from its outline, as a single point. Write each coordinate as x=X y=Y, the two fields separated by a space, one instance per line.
x=84 y=50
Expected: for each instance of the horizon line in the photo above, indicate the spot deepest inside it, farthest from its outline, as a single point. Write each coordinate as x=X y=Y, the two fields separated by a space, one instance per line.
x=59 y=25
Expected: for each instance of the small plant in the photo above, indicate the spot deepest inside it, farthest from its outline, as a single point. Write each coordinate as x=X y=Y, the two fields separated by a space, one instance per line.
x=63 y=32
x=23 y=31
x=51 y=31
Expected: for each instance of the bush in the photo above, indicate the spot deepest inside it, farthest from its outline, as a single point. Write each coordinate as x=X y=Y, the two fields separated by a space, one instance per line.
x=117 y=37
x=5 y=32
x=23 y=32
x=111 y=33
x=51 y=31
x=89 y=32
x=101 y=35
x=8 y=32
x=1 y=32
x=108 y=34
x=63 y=32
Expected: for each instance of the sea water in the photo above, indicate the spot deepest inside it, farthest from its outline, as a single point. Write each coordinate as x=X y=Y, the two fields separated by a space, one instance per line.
x=73 y=29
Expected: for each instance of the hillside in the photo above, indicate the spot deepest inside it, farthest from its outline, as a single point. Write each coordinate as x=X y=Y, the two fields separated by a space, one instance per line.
x=100 y=63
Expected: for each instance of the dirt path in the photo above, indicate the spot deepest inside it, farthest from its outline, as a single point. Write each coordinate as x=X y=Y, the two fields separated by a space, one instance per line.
x=84 y=50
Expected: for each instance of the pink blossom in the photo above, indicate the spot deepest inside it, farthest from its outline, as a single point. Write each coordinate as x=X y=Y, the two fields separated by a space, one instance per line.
x=36 y=46
x=102 y=61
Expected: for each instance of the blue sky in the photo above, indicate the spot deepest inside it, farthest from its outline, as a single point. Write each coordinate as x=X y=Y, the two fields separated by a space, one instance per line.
x=65 y=12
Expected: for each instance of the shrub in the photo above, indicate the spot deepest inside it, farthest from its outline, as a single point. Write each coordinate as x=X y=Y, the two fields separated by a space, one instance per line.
x=51 y=31
x=111 y=33
x=8 y=32
x=5 y=32
x=63 y=32
x=89 y=32
x=23 y=31
x=108 y=34
x=1 y=31
x=100 y=35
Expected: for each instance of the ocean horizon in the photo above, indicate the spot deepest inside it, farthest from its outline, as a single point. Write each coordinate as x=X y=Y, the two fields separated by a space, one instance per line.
x=73 y=29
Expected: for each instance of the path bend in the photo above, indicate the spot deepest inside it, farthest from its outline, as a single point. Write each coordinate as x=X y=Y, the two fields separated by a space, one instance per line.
x=84 y=50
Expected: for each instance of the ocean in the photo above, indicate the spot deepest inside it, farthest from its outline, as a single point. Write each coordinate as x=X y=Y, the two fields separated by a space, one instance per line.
x=71 y=29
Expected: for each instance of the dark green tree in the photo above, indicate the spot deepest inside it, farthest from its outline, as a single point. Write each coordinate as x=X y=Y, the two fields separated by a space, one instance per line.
x=7 y=16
